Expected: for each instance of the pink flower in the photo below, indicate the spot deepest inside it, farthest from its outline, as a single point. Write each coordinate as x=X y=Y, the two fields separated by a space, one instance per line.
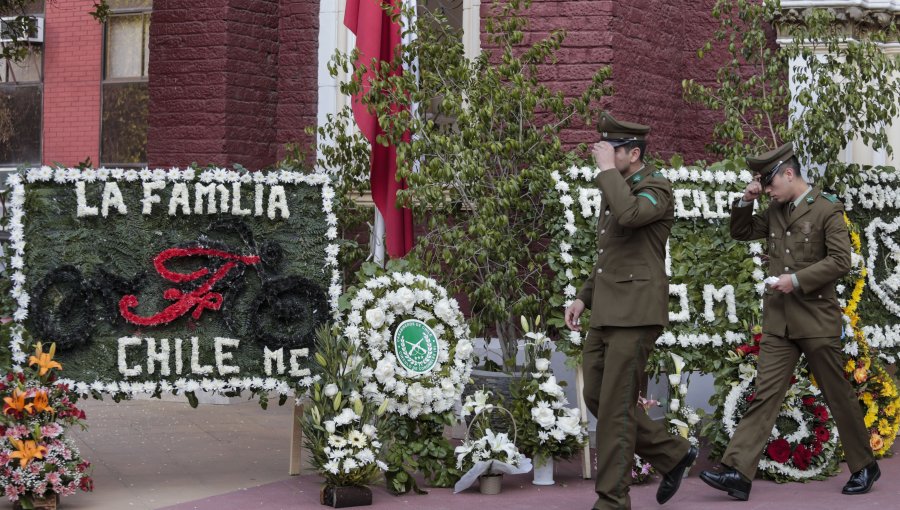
x=51 y=430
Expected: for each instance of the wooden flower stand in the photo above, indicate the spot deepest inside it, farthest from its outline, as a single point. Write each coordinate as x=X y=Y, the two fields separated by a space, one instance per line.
x=342 y=497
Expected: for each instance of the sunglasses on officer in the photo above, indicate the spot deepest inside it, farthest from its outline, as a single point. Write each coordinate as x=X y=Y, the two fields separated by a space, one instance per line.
x=771 y=175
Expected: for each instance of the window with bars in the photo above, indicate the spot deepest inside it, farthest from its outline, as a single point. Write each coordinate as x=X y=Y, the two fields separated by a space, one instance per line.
x=125 y=96
x=21 y=101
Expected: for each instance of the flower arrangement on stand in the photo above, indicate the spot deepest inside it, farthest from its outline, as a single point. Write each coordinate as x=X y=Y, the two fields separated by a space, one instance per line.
x=486 y=455
x=339 y=427
x=803 y=445
x=877 y=390
x=682 y=418
x=548 y=428
x=38 y=464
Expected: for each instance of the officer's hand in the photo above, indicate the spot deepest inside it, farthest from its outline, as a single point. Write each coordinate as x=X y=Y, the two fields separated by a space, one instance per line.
x=573 y=313
x=752 y=191
x=784 y=284
x=604 y=156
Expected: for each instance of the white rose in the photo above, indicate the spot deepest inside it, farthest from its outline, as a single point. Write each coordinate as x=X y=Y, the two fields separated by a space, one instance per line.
x=375 y=317
x=542 y=364
x=369 y=430
x=384 y=370
x=571 y=425
x=550 y=387
x=406 y=298
x=693 y=418
x=683 y=389
x=543 y=416
x=674 y=380
x=331 y=390
x=443 y=310
x=329 y=426
x=674 y=405
x=448 y=388
x=416 y=394
x=464 y=349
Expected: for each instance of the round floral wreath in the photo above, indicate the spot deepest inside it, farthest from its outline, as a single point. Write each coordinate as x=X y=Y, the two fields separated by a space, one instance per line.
x=803 y=443
x=376 y=310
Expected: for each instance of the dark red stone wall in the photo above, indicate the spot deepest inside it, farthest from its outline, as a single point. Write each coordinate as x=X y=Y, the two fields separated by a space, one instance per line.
x=230 y=80
x=651 y=46
x=297 y=73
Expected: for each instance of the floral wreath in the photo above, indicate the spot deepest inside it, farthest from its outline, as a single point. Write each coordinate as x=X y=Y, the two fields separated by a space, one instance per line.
x=804 y=441
x=158 y=177
x=376 y=310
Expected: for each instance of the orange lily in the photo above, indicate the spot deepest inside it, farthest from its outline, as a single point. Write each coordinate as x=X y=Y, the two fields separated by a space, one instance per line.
x=27 y=451
x=42 y=402
x=44 y=360
x=17 y=403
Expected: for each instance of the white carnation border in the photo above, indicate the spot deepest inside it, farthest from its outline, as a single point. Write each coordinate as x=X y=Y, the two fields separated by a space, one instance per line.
x=76 y=176
x=370 y=324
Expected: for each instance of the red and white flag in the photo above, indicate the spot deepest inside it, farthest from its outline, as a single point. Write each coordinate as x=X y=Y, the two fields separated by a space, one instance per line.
x=376 y=38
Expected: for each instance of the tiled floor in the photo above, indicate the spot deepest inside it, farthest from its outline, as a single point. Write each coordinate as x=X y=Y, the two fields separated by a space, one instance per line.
x=152 y=454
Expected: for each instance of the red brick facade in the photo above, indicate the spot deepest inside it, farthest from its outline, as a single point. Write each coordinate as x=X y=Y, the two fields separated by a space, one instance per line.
x=233 y=81
x=72 y=72
x=651 y=47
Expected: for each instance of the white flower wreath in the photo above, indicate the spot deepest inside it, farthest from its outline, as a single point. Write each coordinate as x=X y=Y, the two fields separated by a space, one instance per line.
x=376 y=310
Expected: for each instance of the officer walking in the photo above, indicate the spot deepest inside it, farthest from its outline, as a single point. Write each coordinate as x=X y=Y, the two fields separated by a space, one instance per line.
x=628 y=294
x=809 y=250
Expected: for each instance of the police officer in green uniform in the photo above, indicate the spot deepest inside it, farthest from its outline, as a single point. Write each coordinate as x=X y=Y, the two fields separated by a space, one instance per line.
x=808 y=250
x=628 y=294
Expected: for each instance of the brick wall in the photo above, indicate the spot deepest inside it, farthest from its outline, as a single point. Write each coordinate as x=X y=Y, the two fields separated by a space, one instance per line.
x=213 y=82
x=655 y=47
x=72 y=71
x=651 y=47
x=297 y=73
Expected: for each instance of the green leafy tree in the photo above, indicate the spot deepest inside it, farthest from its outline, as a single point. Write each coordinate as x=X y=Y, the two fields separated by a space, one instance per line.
x=846 y=86
x=485 y=141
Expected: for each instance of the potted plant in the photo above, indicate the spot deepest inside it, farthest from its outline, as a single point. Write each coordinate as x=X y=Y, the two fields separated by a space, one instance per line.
x=548 y=428
x=339 y=427
x=486 y=455
x=38 y=464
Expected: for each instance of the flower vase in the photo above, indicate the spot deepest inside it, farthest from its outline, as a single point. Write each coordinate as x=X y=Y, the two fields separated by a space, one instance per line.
x=543 y=471
x=490 y=483
x=343 y=497
x=47 y=502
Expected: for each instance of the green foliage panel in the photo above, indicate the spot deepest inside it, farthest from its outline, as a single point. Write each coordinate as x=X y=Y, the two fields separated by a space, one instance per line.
x=275 y=303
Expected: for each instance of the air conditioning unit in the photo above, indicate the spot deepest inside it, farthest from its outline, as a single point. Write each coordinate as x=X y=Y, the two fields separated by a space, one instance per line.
x=35 y=35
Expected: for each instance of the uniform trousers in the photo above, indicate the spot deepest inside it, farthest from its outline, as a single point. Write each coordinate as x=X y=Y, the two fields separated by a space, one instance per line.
x=615 y=360
x=777 y=358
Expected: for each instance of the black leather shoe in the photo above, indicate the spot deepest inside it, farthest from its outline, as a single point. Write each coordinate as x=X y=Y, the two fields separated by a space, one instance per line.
x=861 y=482
x=670 y=482
x=730 y=481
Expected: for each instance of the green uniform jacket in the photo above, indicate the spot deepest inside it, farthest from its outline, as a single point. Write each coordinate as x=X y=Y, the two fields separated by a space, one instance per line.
x=813 y=244
x=628 y=286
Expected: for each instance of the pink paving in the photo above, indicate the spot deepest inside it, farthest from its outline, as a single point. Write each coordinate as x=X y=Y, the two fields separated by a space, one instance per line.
x=150 y=455
x=572 y=492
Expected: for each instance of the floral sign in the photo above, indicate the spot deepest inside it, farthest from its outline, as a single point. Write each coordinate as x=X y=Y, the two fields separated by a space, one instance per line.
x=174 y=280
x=716 y=282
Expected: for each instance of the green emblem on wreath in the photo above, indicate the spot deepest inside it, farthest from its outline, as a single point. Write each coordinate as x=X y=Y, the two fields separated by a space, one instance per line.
x=416 y=346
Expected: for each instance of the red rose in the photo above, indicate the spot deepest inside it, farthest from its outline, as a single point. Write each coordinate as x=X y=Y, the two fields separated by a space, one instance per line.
x=794 y=379
x=751 y=397
x=801 y=457
x=821 y=413
x=756 y=338
x=817 y=448
x=808 y=401
x=779 y=450
x=822 y=434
